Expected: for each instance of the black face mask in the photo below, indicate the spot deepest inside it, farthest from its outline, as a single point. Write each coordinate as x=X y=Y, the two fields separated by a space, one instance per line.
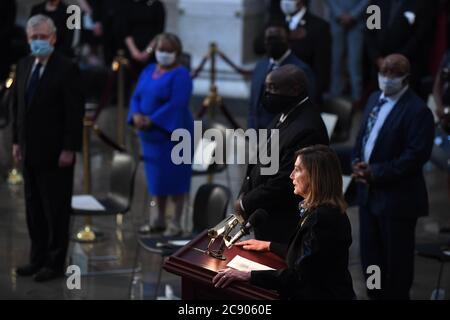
x=276 y=48
x=277 y=103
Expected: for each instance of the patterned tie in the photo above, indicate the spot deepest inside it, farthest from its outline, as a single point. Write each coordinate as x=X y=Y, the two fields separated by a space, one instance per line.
x=371 y=122
x=32 y=86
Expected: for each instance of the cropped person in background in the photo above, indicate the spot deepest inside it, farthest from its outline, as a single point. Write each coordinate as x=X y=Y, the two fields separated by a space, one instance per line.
x=441 y=94
x=7 y=24
x=405 y=29
x=160 y=105
x=347 y=30
x=317 y=254
x=141 y=20
x=441 y=91
x=278 y=54
x=310 y=40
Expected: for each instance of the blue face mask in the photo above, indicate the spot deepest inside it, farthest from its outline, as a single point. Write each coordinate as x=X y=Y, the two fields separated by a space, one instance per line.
x=41 y=48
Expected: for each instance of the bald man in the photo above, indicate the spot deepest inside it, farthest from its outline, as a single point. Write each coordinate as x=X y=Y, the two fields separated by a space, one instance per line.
x=300 y=125
x=394 y=143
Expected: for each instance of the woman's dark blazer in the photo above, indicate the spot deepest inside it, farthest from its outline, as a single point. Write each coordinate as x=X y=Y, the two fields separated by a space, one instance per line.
x=317 y=259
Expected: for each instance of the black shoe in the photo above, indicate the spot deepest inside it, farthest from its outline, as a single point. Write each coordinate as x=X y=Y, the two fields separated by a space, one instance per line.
x=47 y=274
x=27 y=270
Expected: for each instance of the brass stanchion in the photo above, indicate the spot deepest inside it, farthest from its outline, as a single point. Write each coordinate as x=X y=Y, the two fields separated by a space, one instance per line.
x=86 y=234
x=14 y=176
x=212 y=100
x=118 y=66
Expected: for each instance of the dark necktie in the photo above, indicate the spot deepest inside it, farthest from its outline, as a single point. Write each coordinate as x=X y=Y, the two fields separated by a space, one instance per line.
x=32 y=85
x=371 y=122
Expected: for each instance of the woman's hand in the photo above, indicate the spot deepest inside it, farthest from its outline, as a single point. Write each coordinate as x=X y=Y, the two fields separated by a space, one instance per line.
x=141 y=122
x=254 y=245
x=225 y=277
x=147 y=123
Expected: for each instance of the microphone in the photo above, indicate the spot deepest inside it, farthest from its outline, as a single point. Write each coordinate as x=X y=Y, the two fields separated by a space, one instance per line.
x=257 y=218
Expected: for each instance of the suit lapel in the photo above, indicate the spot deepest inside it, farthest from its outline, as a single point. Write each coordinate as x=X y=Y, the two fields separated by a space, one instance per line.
x=388 y=123
x=23 y=82
x=300 y=228
x=261 y=82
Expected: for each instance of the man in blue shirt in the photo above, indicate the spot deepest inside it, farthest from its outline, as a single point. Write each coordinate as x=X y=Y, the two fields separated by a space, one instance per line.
x=394 y=142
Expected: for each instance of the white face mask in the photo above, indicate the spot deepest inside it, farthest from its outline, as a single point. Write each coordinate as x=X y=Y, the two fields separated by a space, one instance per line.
x=390 y=86
x=289 y=7
x=165 y=59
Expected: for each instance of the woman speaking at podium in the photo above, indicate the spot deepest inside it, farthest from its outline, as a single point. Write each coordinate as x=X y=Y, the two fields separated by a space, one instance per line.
x=317 y=254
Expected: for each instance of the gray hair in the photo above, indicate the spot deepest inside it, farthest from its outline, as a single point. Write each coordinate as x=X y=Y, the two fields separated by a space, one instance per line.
x=39 y=19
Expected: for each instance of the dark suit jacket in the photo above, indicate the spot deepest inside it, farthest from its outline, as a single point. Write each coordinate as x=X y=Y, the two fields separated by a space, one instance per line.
x=316 y=258
x=258 y=117
x=275 y=194
x=401 y=36
x=403 y=146
x=312 y=44
x=53 y=120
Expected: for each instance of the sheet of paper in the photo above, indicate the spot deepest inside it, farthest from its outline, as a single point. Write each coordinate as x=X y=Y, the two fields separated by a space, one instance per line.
x=86 y=202
x=204 y=154
x=243 y=264
x=345 y=183
x=330 y=121
x=178 y=243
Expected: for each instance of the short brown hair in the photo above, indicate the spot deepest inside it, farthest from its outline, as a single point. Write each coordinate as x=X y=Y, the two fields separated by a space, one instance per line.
x=173 y=39
x=325 y=177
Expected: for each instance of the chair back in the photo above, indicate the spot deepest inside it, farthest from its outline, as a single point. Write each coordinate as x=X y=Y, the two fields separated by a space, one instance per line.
x=123 y=172
x=221 y=129
x=343 y=108
x=210 y=205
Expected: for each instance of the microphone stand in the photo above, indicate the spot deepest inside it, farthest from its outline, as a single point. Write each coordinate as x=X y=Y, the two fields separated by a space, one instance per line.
x=225 y=237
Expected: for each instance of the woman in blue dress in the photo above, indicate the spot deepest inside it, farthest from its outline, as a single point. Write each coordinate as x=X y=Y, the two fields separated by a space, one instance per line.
x=160 y=105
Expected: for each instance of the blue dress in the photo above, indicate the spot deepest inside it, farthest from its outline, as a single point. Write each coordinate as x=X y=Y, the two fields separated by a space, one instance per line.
x=165 y=100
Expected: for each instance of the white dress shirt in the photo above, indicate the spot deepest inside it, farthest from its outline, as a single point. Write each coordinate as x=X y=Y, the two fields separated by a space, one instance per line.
x=295 y=20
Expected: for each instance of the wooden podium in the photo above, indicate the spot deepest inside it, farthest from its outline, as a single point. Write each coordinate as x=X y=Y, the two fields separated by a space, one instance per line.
x=197 y=270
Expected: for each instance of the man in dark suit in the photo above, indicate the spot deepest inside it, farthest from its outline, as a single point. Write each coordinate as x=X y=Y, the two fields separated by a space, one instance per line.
x=299 y=125
x=405 y=26
x=310 y=40
x=394 y=143
x=48 y=110
x=279 y=54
